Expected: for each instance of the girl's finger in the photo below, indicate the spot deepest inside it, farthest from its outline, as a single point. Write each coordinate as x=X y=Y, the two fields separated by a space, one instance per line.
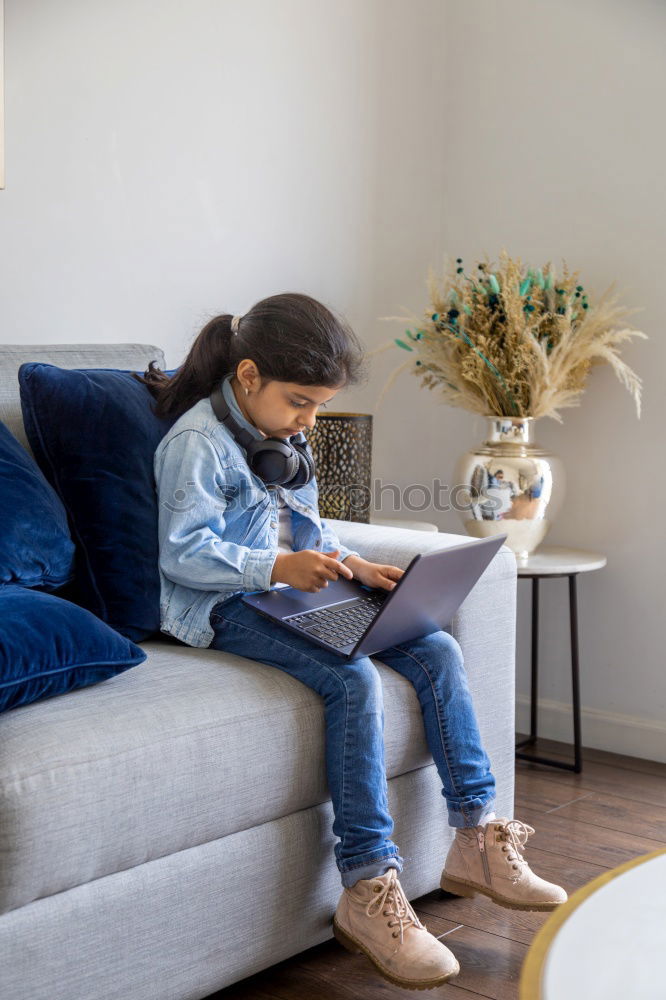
x=339 y=568
x=328 y=571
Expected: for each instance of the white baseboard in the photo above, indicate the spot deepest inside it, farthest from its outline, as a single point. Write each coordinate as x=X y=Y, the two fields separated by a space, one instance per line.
x=626 y=734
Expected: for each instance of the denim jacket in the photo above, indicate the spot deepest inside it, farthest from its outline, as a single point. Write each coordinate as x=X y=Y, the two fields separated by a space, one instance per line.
x=218 y=521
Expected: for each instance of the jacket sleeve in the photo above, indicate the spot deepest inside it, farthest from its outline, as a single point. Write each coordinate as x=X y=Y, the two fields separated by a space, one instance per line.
x=331 y=541
x=191 y=502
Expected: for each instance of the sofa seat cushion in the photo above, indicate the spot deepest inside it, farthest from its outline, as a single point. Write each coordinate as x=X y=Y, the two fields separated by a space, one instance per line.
x=195 y=745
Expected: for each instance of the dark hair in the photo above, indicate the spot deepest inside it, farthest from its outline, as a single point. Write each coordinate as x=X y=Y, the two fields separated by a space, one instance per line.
x=290 y=337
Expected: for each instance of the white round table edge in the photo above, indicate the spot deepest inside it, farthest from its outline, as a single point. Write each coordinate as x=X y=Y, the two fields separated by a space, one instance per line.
x=531 y=974
x=560 y=559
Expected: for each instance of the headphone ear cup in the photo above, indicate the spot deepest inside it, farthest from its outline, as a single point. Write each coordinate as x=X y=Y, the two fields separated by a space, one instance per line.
x=291 y=467
x=272 y=460
x=306 y=464
x=309 y=459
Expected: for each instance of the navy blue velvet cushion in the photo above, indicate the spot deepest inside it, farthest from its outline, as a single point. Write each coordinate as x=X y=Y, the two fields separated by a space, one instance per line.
x=94 y=433
x=36 y=548
x=49 y=646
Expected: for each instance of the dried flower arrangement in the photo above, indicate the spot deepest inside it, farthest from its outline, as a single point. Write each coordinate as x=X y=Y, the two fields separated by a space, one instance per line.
x=505 y=343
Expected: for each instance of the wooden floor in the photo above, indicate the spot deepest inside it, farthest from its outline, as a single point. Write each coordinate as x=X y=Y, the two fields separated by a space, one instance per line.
x=585 y=824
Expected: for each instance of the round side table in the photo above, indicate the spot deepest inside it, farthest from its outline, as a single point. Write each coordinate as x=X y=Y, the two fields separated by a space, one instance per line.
x=550 y=562
x=606 y=941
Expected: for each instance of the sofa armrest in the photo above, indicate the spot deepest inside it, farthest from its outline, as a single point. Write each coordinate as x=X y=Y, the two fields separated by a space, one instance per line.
x=492 y=599
x=398 y=546
x=401 y=523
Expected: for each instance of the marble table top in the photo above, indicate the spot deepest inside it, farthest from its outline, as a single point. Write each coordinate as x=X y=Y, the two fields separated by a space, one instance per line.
x=558 y=559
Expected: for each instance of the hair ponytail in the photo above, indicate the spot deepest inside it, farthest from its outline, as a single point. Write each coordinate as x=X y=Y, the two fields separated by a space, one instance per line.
x=205 y=365
x=290 y=337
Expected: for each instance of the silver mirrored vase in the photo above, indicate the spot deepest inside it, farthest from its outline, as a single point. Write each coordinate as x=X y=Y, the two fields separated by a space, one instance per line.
x=510 y=484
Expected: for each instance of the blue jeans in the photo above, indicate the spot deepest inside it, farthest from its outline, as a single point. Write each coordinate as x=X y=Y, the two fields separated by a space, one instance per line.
x=354 y=715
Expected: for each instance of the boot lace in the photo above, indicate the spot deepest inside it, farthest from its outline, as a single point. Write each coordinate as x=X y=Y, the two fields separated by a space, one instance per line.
x=515 y=833
x=392 y=901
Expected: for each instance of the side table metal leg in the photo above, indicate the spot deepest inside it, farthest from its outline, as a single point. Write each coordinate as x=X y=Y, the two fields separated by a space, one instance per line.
x=534 y=683
x=577 y=766
x=575 y=673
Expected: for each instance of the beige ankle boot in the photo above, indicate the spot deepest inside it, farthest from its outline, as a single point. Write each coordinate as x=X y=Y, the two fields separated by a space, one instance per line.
x=488 y=859
x=374 y=917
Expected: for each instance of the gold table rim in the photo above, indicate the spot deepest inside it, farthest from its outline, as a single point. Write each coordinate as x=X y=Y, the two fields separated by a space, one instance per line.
x=529 y=987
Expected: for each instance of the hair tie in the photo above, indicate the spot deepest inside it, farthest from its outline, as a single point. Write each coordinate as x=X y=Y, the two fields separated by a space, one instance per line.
x=235 y=320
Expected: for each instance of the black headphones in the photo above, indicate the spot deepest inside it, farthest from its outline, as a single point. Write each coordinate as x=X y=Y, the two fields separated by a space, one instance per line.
x=279 y=462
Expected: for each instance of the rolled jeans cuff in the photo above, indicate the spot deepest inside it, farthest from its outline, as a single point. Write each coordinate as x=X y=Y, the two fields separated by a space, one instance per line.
x=371 y=869
x=476 y=816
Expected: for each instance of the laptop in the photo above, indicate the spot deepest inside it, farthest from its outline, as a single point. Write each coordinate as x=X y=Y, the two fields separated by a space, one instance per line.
x=353 y=620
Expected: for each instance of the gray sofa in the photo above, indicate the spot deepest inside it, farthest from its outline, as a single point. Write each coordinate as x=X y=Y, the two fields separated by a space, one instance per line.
x=167 y=832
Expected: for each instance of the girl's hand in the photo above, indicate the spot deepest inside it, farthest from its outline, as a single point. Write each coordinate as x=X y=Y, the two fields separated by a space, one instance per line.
x=377 y=574
x=308 y=569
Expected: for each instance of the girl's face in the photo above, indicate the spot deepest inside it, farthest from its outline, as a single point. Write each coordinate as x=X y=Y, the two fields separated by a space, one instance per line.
x=280 y=409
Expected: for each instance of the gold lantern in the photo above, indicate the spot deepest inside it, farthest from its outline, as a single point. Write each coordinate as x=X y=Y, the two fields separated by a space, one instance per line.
x=342 y=447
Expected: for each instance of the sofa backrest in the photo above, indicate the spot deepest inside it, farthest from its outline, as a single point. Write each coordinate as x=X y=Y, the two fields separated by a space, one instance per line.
x=127 y=357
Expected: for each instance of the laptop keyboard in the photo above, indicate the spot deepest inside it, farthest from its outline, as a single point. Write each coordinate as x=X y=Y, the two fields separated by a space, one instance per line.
x=342 y=624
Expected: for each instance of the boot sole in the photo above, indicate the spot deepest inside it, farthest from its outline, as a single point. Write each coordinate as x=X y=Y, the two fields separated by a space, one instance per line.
x=469 y=890
x=355 y=947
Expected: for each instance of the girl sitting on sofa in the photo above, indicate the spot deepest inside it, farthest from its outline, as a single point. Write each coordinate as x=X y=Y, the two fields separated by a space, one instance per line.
x=275 y=366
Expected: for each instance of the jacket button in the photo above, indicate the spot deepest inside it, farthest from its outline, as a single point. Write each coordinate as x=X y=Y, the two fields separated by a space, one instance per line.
x=273 y=524
x=317 y=543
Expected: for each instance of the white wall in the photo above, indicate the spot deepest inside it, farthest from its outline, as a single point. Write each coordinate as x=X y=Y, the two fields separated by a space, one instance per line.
x=556 y=152
x=167 y=161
